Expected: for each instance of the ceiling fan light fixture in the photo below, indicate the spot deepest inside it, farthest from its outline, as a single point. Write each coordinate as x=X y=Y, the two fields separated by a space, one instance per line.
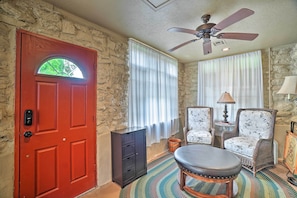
x=206 y=36
x=225 y=49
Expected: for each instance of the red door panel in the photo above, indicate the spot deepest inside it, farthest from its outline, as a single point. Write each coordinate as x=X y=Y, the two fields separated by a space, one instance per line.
x=46 y=170
x=47 y=109
x=58 y=160
x=78 y=160
x=78 y=106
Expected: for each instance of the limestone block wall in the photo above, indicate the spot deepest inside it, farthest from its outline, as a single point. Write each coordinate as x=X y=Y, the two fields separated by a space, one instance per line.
x=188 y=87
x=190 y=83
x=112 y=76
x=266 y=77
x=181 y=90
x=283 y=62
x=7 y=84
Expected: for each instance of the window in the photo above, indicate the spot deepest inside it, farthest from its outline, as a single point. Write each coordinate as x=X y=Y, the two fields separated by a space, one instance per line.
x=153 y=92
x=240 y=75
x=60 y=67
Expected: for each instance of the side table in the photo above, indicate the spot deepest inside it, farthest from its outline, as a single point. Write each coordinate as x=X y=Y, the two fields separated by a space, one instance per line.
x=219 y=128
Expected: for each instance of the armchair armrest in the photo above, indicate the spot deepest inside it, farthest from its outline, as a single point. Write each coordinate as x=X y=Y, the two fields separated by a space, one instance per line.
x=228 y=134
x=185 y=130
x=266 y=148
x=212 y=131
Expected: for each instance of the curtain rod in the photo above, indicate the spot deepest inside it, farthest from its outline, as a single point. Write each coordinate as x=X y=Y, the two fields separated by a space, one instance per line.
x=153 y=48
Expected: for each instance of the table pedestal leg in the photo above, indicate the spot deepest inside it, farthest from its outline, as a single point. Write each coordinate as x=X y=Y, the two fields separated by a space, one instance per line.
x=231 y=186
x=182 y=179
x=229 y=189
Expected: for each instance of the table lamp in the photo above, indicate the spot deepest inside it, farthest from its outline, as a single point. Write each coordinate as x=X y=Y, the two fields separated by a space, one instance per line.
x=289 y=86
x=226 y=98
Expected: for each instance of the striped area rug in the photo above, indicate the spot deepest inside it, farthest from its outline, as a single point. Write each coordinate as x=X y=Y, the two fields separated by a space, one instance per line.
x=161 y=182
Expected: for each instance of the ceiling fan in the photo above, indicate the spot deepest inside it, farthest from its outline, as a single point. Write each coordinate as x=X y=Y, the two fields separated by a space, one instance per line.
x=208 y=30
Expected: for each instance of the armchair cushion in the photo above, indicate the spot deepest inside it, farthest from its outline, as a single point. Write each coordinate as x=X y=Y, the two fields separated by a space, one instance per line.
x=198 y=136
x=199 y=118
x=241 y=145
x=257 y=124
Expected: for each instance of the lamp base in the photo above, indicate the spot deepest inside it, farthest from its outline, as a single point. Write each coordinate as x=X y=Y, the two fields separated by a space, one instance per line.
x=292 y=181
x=225 y=114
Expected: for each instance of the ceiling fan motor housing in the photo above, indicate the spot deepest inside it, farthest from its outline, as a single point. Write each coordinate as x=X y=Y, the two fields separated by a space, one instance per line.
x=205 y=27
x=205 y=30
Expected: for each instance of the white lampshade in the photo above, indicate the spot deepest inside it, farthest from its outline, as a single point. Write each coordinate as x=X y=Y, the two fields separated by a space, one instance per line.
x=226 y=98
x=289 y=86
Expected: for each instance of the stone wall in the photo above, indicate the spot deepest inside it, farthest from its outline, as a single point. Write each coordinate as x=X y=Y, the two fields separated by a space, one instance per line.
x=190 y=84
x=266 y=77
x=283 y=61
x=7 y=80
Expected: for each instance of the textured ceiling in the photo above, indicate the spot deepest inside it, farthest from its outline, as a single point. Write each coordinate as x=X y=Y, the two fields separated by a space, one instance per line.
x=148 y=20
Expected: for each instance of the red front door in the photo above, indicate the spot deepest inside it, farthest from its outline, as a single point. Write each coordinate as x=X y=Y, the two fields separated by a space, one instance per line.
x=57 y=150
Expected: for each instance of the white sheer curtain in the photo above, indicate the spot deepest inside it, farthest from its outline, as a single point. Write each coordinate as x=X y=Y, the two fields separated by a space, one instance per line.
x=240 y=75
x=153 y=92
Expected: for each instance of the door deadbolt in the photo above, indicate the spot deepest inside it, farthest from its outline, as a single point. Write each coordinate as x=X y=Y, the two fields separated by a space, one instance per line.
x=28 y=117
x=28 y=134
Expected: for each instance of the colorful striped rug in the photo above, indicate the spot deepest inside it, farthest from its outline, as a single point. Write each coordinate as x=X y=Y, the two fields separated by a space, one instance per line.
x=161 y=182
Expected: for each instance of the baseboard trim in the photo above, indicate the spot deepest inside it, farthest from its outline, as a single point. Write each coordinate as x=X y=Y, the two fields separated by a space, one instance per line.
x=158 y=156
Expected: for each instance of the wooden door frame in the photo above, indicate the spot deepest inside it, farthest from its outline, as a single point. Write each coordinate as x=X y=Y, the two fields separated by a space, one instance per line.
x=18 y=112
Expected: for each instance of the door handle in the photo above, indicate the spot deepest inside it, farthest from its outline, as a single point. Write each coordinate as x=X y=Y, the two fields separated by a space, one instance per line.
x=28 y=134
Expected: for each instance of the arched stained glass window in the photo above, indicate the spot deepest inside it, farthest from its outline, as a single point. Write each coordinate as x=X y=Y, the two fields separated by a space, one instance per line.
x=60 y=67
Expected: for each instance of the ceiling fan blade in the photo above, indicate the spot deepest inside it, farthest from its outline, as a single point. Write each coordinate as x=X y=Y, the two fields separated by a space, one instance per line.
x=207 y=47
x=239 y=36
x=183 y=44
x=183 y=30
x=237 y=16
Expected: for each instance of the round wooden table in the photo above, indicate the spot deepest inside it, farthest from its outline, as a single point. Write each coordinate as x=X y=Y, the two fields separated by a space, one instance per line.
x=208 y=164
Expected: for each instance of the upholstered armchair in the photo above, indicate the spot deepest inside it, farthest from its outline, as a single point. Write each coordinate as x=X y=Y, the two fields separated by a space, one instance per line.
x=199 y=125
x=252 y=138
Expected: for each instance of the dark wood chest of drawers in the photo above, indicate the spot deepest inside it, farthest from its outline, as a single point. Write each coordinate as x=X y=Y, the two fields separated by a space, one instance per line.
x=128 y=155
